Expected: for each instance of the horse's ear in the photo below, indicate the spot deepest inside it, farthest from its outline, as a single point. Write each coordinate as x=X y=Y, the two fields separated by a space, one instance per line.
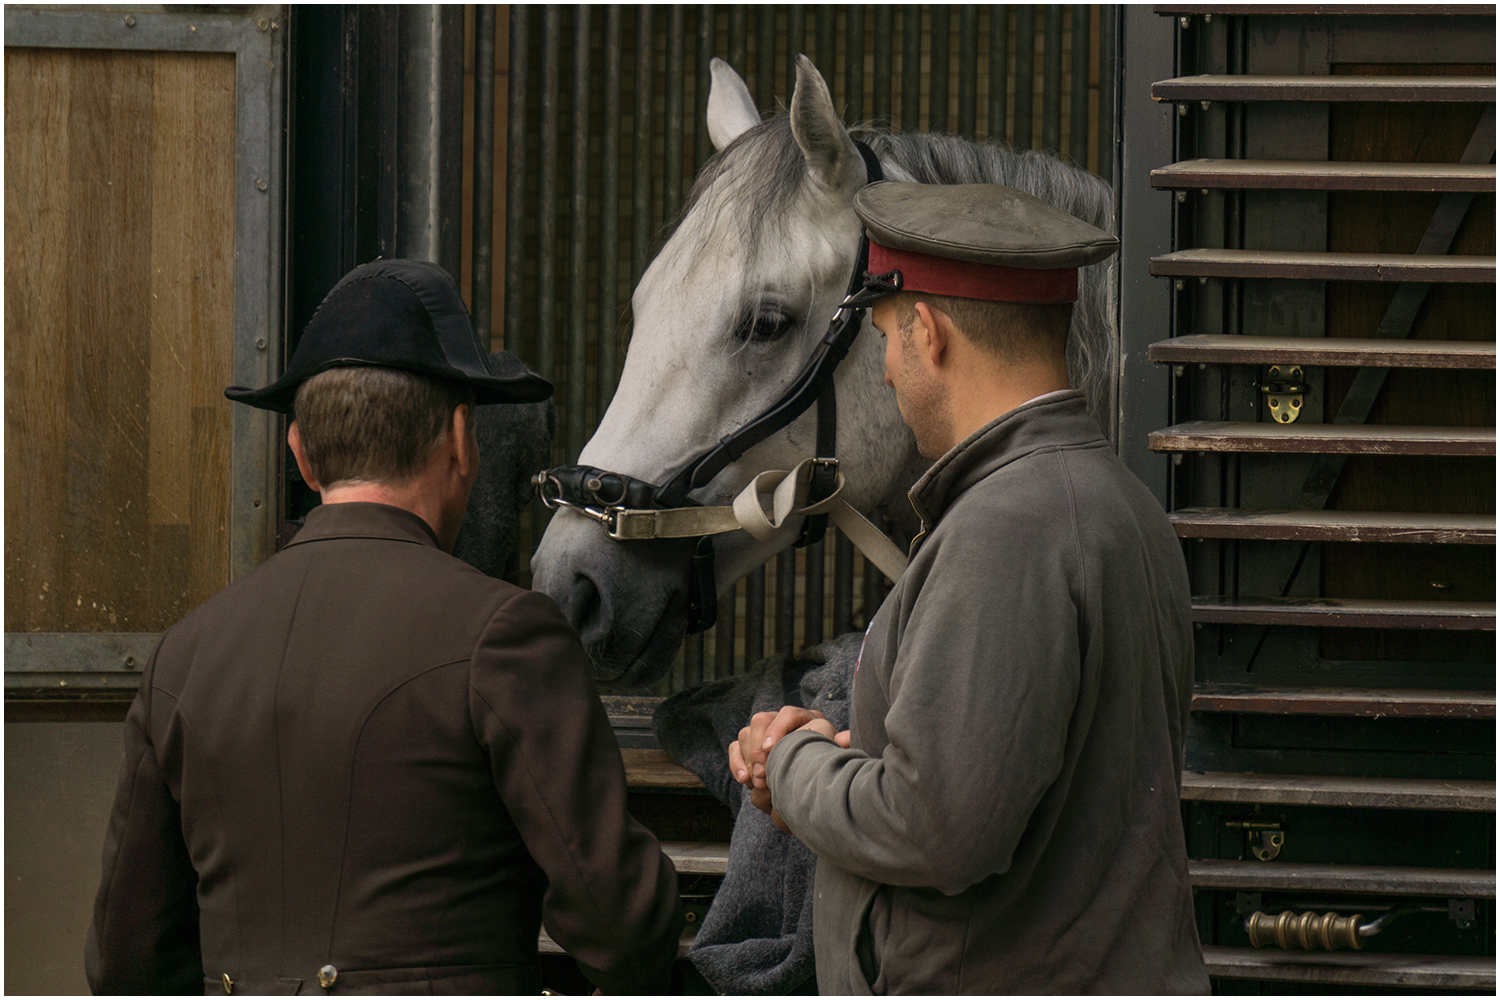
x=731 y=109
x=832 y=160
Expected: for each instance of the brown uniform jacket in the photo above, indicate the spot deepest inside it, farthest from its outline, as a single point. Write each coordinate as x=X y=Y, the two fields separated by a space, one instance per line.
x=1008 y=820
x=367 y=754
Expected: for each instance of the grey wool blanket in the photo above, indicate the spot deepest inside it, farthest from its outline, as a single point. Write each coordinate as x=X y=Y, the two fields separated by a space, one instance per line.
x=757 y=937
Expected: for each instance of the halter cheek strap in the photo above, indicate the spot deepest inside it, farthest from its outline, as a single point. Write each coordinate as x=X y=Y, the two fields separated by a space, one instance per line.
x=632 y=508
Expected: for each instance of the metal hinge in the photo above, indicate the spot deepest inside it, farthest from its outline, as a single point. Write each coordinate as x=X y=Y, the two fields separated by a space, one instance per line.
x=1284 y=391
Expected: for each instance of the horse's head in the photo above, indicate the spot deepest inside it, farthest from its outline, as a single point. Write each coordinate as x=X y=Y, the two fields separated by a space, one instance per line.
x=724 y=319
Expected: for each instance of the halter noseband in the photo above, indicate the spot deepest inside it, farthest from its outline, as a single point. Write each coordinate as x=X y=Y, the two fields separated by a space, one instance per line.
x=611 y=498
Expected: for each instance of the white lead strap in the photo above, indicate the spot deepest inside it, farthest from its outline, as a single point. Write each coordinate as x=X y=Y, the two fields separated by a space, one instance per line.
x=787 y=491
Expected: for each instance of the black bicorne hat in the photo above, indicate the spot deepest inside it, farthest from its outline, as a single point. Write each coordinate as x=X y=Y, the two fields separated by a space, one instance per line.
x=404 y=314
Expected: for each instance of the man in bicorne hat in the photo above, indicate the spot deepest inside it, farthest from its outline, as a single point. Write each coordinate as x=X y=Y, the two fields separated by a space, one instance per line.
x=1003 y=815
x=366 y=767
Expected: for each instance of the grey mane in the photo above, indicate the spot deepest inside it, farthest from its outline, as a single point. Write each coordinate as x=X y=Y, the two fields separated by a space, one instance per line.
x=769 y=170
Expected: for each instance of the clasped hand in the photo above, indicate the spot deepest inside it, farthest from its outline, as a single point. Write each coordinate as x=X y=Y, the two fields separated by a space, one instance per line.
x=749 y=753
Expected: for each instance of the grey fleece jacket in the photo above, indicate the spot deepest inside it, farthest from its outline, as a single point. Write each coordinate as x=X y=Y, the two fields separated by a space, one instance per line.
x=1007 y=819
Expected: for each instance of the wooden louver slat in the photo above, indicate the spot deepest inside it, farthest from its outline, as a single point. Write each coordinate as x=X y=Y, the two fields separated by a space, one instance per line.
x=1394 y=881
x=1324 y=439
x=1334 y=526
x=1330 y=612
x=1304 y=175
x=1332 y=351
x=1366 y=702
x=1315 y=266
x=1246 y=87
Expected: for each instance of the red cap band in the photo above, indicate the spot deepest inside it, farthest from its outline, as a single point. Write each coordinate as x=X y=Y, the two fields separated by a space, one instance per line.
x=964 y=279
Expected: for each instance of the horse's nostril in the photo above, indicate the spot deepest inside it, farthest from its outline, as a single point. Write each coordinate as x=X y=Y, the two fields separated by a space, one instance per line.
x=583 y=610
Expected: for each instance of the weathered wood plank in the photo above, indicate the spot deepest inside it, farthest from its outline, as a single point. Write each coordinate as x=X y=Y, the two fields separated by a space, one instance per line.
x=1247 y=87
x=1316 y=175
x=1328 y=612
x=1215 y=874
x=119 y=331
x=1321 y=790
x=1330 y=439
x=1205 y=348
x=1334 y=526
x=654 y=769
x=1351 y=968
x=1306 y=265
x=1370 y=702
x=697 y=858
x=1330 y=9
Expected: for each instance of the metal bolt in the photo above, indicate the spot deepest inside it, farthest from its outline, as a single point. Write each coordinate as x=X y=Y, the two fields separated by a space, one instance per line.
x=1181 y=197
x=260 y=184
x=1203 y=105
x=264 y=24
x=1176 y=458
x=255 y=503
x=1179 y=284
x=1202 y=366
x=1182 y=110
x=260 y=343
x=130 y=661
x=130 y=20
x=1186 y=22
x=1202 y=279
x=1208 y=19
x=1177 y=371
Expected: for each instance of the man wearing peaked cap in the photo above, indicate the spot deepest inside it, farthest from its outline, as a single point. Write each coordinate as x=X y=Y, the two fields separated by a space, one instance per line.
x=366 y=767
x=1003 y=815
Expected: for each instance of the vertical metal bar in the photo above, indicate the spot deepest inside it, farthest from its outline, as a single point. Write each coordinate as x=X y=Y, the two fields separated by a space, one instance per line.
x=578 y=241
x=724 y=636
x=515 y=182
x=796 y=43
x=1052 y=79
x=673 y=144
x=739 y=34
x=937 y=74
x=827 y=46
x=911 y=68
x=640 y=178
x=429 y=140
x=813 y=574
x=755 y=616
x=546 y=306
x=786 y=601
x=1108 y=14
x=882 y=79
x=999 y=66
x=1025 y=73
x=609 y=215
x=843 y=584
x=854 y=64
x=707 y=39
x=968 y=69
x=1078 y=85
x=482 y=253
x=765 y=57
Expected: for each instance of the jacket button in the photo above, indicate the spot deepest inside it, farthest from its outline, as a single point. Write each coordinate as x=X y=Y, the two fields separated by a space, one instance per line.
x=327 y=975
x=228 y=984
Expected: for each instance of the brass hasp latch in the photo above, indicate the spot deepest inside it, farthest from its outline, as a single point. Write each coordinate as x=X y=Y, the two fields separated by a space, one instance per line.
x=1284 y=391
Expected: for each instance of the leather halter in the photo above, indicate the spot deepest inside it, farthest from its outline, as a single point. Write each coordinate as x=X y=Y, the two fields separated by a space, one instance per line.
x=604 y=495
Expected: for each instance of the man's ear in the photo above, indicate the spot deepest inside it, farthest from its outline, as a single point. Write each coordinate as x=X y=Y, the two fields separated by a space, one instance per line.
x=465 y=447
x=932 y=331
x=294 y=439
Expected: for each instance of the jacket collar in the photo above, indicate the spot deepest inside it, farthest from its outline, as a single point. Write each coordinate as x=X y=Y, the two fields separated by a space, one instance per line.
x=364 y=520
x=1056 y=420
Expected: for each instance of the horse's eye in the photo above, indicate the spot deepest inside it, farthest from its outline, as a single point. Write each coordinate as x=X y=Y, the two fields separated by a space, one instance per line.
x=764 y=328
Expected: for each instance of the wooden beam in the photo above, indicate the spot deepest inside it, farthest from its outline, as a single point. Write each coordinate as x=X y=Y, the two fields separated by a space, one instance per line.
x=1322 y=790
x=1283 y=877
x=1351 y=968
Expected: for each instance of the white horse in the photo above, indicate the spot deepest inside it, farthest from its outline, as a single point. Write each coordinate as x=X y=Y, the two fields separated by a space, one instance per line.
x=724 y=319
